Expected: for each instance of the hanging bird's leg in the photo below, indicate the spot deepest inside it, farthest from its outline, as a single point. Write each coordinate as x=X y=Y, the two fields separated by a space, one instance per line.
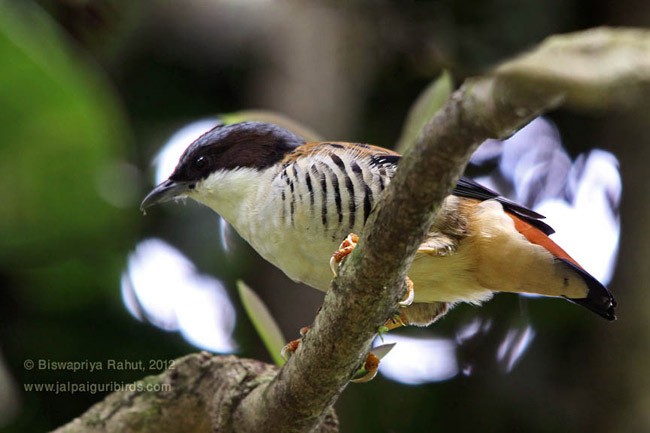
x=419 y=314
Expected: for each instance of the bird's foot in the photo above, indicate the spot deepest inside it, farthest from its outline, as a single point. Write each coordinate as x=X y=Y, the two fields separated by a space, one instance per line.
x=291 y=347
x=395 y=321
x=347 y=246
x=364 y=374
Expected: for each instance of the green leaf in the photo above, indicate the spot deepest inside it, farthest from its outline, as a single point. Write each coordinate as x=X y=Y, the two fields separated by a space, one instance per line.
x=427 y=104
x=62 y=135
x=264 y=324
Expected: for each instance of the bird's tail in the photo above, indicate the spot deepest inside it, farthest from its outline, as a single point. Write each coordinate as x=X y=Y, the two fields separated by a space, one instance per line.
x=599 y=299
x=530 y=262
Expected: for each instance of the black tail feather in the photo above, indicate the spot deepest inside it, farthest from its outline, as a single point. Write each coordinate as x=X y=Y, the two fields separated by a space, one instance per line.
x=599 y=299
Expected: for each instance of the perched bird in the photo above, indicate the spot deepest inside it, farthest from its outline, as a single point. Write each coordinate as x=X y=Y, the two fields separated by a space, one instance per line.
x=294 y=202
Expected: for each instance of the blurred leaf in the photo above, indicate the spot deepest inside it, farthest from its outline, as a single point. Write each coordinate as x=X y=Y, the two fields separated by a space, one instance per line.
x=383 y=350
x=271 y=117
x=429 y=101
x=62 y=131
x=266 y=327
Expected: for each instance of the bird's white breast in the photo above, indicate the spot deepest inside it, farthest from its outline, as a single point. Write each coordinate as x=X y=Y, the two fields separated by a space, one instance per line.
x=296 y=216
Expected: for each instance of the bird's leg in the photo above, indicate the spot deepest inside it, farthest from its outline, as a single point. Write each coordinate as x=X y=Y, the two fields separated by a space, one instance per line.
x=436 y=244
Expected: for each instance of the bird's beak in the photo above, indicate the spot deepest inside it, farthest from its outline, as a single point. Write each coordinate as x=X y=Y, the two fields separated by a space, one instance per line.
x=166 y=191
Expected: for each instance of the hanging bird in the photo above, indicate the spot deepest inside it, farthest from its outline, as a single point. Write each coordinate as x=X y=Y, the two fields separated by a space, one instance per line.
x=294 y=202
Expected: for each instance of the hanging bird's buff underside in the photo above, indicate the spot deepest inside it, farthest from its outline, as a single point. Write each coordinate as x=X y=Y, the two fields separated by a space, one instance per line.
x=294 y=202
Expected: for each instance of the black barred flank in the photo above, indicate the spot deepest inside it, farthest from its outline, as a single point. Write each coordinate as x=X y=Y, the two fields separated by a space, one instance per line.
x=338 y=161
x=337 y=195
x=367 y=203
x=310 y=188
x=352 y=206
x=296 y=177
x=323 y=185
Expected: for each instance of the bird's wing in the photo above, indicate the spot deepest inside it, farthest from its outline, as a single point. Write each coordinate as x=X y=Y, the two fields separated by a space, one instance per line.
x=469 y=188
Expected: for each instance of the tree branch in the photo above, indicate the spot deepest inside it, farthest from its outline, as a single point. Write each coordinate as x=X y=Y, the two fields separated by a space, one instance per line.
x=198 y=395
x=366 y=291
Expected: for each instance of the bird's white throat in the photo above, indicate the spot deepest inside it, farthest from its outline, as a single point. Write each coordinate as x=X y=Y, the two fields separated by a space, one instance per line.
x=234 y=194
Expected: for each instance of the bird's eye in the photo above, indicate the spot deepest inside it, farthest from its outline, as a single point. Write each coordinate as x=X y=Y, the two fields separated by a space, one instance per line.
x=200 y=162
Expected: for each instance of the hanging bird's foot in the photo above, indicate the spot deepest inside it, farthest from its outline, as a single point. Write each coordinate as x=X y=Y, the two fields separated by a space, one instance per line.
x=347 y=246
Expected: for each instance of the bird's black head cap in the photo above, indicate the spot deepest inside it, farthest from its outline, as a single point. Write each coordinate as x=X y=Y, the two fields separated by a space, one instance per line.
x=242 y=145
